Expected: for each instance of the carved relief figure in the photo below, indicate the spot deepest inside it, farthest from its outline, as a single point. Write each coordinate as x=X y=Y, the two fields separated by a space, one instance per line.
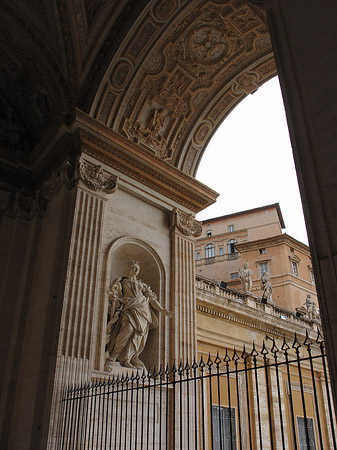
x=132 y=306
x=156 y=122
x=267 y=289
x=246 y=278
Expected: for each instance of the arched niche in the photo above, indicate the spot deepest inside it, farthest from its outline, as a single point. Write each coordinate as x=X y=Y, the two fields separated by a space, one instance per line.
x=152 y=272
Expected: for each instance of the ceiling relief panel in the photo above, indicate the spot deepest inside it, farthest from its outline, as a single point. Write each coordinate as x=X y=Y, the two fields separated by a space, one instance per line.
x=183 y=69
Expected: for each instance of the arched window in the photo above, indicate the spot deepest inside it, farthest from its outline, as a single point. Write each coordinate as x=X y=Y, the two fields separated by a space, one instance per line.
x=231 y=246
x=198 y=256
x=209 y=251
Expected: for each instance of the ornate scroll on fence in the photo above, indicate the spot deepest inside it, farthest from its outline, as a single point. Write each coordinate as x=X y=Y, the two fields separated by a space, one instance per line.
x=275 y=398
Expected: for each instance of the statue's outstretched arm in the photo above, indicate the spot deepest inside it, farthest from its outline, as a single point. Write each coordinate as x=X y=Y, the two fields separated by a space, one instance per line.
x=156 y=305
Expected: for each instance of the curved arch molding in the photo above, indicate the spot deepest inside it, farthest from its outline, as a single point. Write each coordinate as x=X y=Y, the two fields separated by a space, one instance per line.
x=180 y=72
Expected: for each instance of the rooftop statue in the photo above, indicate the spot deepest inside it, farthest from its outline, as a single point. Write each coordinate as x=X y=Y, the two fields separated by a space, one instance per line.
x=267 y=288
x=246 y=278
x=132 y=306
x=309 y=309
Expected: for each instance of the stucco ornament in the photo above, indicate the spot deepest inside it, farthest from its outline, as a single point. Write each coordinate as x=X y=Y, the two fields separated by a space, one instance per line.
x=208 y=43
x=267 y=288
x=132 y=306
x=95 y=178
x=185 y=223
x=246 y=278
x=151 y=133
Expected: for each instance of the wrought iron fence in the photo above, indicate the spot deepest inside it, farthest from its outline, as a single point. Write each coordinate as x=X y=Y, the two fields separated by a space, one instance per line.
x=277 y=398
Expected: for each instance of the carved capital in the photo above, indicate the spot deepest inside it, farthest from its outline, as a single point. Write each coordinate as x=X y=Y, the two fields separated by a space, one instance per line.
x=25 y=207
x=185 y=223
x=95 y=177
x=52 y=186
x=63 y=176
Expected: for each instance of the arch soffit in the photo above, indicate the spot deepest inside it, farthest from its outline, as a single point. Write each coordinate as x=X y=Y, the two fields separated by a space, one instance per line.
x=167 y=82
x=179 y=73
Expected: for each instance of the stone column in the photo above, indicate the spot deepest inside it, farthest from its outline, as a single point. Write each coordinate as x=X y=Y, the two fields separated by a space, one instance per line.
x=184 y=228
x=304 y=36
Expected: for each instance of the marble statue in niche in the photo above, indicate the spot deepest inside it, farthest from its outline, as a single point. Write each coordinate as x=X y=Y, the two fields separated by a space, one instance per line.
x=246 y=278
x=132 y=306
x=267 y=288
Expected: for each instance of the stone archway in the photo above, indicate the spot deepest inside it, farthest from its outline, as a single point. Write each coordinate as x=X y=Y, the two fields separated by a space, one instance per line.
x=138 y=87
x=185 y=69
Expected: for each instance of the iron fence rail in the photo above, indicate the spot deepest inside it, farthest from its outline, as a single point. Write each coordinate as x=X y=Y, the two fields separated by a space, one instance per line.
x=242 y=400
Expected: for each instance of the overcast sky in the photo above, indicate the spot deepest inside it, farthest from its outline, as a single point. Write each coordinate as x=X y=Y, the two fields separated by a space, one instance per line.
x=249 y=161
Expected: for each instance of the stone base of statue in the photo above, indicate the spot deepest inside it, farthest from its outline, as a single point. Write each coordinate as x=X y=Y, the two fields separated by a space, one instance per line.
x=116 y=368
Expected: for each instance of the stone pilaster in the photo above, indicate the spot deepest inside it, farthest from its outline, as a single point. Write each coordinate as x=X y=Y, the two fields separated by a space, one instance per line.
x=74 y=361
x=79 y=302
x=184 y=228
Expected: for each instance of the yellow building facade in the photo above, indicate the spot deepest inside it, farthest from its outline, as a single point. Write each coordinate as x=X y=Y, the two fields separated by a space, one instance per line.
x=261 y=373
x=246 y=336
x=255 y=237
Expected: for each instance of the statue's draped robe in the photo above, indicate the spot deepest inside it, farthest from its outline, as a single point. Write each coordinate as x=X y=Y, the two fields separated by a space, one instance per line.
x=129 y=324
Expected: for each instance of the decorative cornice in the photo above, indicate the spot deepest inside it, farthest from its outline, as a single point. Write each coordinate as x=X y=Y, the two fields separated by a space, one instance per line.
x=271 y=241
x=248 y=322
x=95 y=178
x=185 y=223
x=222 y=303
x=141 y=165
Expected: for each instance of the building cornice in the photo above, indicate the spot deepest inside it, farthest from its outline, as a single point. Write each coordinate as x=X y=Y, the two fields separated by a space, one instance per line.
x=257 y=321
x=119 y=153
x=273 y=241
x=249 y=211
x=247 y=312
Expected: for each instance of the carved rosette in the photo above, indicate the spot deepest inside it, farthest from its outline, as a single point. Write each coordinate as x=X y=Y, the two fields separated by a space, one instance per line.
x=185 y=223
x=95 y=178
